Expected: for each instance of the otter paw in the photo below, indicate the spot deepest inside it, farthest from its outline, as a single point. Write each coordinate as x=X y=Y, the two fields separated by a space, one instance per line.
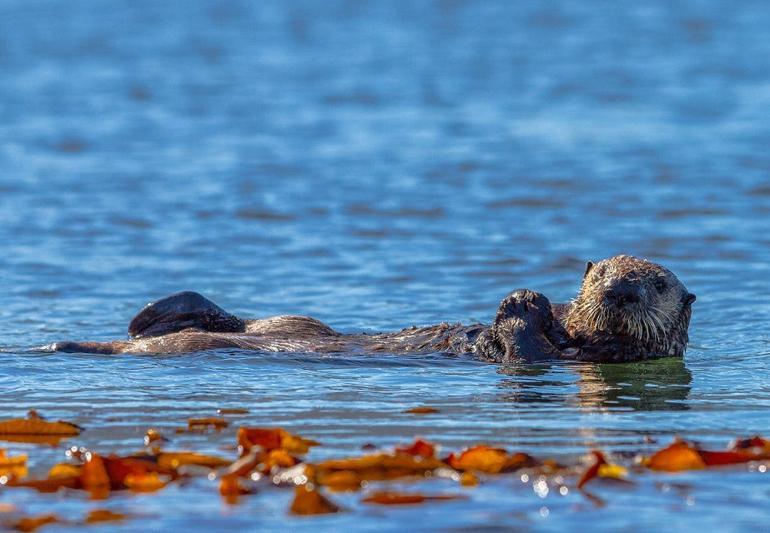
x=531 y=307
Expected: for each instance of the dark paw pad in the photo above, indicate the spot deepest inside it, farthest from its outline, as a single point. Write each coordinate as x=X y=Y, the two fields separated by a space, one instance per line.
x=526 y=305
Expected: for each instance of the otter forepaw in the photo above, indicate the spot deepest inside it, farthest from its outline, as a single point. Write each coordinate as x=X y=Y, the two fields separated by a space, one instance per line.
x=518 y=332
x=531 y=307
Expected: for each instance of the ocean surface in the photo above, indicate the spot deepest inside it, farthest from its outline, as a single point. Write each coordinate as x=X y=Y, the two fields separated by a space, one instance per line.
x=378 y=165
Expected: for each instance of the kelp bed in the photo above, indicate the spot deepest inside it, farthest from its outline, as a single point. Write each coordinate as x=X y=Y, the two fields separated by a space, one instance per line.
x=271 y=459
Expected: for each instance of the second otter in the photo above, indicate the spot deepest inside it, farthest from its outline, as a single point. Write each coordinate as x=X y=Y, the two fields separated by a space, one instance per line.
x=627 y=309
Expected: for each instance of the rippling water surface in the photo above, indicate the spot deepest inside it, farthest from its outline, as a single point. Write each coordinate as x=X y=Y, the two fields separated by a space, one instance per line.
x=377 y=165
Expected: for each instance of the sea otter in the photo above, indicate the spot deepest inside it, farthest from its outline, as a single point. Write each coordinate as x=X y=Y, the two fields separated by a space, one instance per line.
x=627 y=309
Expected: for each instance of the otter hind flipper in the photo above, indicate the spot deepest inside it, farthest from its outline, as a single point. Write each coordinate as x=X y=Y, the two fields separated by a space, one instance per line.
x=182 y=310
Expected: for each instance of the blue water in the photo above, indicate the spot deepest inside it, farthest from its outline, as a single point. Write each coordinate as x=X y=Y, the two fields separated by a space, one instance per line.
x=377 y=165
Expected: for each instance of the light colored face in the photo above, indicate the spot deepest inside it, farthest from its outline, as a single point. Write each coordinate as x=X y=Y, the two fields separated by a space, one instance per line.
x=629 y=296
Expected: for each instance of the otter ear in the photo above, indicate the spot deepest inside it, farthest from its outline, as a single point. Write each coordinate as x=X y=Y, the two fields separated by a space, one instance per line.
x=689 y=298
x=589 y=266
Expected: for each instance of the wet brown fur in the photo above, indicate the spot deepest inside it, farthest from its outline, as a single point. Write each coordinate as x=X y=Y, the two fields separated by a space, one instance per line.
x=654 y=326
x=526 y=326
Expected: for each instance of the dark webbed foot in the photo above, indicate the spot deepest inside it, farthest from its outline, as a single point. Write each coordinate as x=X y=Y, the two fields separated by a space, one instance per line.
x=519 y=330
x=181 y=311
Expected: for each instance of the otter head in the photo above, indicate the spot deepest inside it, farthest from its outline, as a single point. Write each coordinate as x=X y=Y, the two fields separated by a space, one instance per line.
x=629 y=309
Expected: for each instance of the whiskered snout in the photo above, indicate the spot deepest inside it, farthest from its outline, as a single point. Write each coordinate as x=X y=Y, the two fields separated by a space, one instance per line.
x=636 y=303
x=622 y=294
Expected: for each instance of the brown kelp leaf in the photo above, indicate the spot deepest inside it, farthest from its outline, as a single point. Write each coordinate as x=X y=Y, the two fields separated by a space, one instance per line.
x=173 y=460
x=51 y=440
x=613 y=471
x=422 y=410
x=119 y=468
x=94 y=477
x=342 y=480
x=675 y=457
x=681 y=455
x=741 y=450
x=208 y=422
x=15 y=466
x=65 y=470
x=232 y=411
x=267 y=438
x=756 y=445
x=37 y=427
x=720 y=458
x=279 y=458
x=397 y=461
x=375 y=467
x=489 y=460
x=103 y=515
x=31 y=523
x=593 y=470
x=264 y=462
x=149 y=482
x=7 y=461
x=272 y=438
x=46 y=485
x=309 y=501
x=231 y=487
x=401 y=498
x=419 y=447
x=246 y=464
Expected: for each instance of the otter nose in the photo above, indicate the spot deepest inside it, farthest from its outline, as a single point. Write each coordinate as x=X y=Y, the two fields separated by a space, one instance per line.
x=622 y=294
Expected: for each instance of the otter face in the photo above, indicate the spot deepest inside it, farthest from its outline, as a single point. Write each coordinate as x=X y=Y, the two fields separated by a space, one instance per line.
x=632 y=299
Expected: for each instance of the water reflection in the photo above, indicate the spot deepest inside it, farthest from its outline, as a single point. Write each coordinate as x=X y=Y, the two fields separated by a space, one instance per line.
x=659 y=385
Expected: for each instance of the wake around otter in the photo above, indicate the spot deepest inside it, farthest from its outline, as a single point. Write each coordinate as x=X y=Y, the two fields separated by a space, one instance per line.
x=627 y=309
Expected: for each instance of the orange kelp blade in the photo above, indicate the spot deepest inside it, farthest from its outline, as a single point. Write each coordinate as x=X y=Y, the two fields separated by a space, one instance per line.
x=272 y=438
x=35 y=429
x=94 y=477
x=422 y=410
x=32 y=523
x=13 y=466
x=593 y=470
x=309 y=501
x=402 y=498
x=675 y=457
x=603 y=469
x=348 y=474
x=419 y=447
x=46 y=485
x=103 y=515
x=207 y=422
x=681 y=455
x=173 y=460
x=489 y=460
x=232 y=411
x=147 y=482
x=756 y=444
x=232 y=487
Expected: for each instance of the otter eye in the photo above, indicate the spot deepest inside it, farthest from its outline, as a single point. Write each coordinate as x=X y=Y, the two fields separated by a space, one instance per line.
x=660 y=285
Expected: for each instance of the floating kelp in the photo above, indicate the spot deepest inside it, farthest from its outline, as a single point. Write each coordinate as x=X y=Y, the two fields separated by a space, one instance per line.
x=271 y=457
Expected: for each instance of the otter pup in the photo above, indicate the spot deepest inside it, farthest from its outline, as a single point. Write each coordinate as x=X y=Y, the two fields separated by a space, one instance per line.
x=627 y=309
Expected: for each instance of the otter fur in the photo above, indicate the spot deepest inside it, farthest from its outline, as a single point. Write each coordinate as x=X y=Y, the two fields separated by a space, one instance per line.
x=627 y=309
